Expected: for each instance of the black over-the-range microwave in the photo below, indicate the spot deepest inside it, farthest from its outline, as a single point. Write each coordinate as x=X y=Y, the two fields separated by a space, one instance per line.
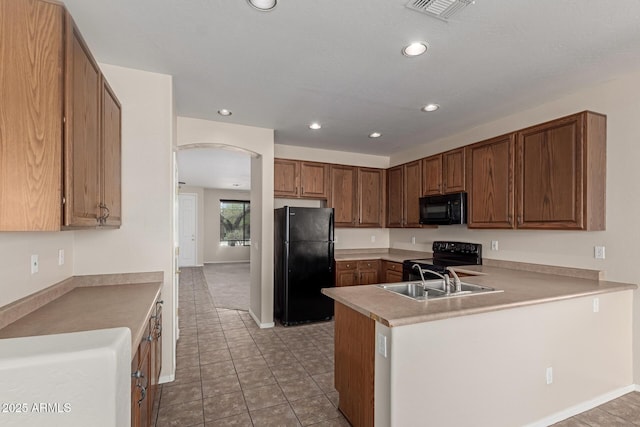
x=444 y=210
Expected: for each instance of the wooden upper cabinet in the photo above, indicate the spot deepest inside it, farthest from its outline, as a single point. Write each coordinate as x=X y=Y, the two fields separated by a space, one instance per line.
x=82 y=133
x=295 y=178
x=111 y=206
x=51 y=110
x=453 y=171
x=314 y=180
x=344 y=194
x=31 y=88
x=444 y=173
x=286 y=176
x=561 y=169
x=490 y=185
x=370 y=197
x=404 y=189
x=432 y=174
x=412 y=193
x=395 y=196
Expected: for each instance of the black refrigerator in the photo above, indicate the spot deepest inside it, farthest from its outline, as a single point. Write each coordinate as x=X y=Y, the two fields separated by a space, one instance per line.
x=303 y=257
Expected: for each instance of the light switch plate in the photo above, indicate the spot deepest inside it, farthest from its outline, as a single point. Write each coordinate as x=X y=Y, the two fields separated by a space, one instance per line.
x=35 y=264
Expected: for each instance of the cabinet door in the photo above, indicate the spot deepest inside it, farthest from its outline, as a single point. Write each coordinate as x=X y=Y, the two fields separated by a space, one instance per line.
x=370 y=197
x=550 y=175
x=490 y=183
x=368 y=272
x=392 y=271
x=412 y=193
x=31 y=86
x=344 y=183
x=395 y=199
x=314 y=180
x=355 y=365
x=453 y=171
x=432 y=173
x=82 y=133
x=111 y=207
x=286 y=174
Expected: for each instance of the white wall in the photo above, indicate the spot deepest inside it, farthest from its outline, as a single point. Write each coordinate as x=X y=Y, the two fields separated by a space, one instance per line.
x=16 y=280
x=620 y=100
x=144 y=242
x=199 y=192
x=259 y=141
x=331 y=156
x=213 y=252
x=490 y=369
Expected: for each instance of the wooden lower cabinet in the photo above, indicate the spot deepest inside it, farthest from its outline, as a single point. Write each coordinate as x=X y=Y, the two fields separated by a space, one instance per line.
x=355 y=365
x=352 y=273
x=145 y=371
x=391 y=272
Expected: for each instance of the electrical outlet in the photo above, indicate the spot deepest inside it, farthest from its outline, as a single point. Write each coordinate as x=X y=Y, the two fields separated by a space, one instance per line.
x=598 y=252
x=382 y=345
x=494 y=245
x=35 y=264
x=61 y=257
x=549 y=375
x=596 y=305
x=413 y=240
x=373 y=238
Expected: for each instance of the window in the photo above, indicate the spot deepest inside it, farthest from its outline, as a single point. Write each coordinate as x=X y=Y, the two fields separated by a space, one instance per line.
x=234 y=223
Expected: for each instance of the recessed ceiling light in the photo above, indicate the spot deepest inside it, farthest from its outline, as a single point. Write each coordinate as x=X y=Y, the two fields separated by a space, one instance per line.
x=430 y=107
x=415 y=49
x=375 y=135
x=315 y=126
x=263 y=5
x=224 y=112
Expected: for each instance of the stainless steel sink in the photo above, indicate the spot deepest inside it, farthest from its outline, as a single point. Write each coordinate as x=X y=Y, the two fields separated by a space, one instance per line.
x=434 y=289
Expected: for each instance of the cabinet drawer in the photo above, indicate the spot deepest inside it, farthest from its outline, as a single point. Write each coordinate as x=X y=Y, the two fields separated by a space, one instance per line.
x=394 y=266
x=368 y=265
x=346 y=265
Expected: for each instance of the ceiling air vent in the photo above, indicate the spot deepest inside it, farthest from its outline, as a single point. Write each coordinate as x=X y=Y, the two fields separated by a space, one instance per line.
x=442 y=9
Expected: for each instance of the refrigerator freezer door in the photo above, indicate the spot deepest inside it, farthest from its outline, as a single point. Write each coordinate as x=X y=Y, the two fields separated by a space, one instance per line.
x=310 y=224
x=310 y=269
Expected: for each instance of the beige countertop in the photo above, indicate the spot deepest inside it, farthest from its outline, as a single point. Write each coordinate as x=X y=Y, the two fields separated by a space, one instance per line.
x=89 y=308
x=395 y=255
x=520 y=288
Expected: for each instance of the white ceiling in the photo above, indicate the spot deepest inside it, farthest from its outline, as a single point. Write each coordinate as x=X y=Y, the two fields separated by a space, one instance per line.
x=339 y=62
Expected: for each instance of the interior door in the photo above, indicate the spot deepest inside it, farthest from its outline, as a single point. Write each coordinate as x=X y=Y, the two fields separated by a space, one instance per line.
x=187 y=218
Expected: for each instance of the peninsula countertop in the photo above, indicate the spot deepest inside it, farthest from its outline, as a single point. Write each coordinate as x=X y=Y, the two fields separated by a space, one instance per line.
x=89 y=308
x=520 y=288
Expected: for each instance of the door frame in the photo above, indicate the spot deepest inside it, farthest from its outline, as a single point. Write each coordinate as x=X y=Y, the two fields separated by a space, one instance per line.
x=195 y=229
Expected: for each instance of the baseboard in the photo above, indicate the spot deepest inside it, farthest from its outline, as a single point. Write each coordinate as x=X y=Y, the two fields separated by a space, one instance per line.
x=585 y=406
x=261 y=325
x=227 y=262
x=167 y=378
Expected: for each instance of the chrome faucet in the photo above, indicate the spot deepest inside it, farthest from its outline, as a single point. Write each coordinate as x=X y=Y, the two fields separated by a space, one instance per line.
x=447 y=284
x=457 y=284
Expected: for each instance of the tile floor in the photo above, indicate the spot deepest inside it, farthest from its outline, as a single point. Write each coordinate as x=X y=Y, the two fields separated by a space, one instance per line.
x=232 y=373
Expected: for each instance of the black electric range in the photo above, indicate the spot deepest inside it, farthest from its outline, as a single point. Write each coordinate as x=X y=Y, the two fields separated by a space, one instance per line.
x=445 y=254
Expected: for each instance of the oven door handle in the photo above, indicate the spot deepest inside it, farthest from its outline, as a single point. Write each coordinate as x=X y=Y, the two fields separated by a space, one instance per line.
x=449 y=212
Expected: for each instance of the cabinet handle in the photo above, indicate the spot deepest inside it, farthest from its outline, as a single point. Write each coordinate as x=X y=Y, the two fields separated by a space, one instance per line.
x=510 y=219
x=143 y=392
x=302 y=190
x=519 y=220
x=102 y=219
x=444 y=186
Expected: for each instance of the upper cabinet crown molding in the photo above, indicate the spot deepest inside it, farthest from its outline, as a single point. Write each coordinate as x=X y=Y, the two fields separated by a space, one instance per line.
x=52 y=173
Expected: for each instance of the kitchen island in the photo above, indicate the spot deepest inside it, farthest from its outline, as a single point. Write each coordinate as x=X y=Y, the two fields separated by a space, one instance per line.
x=545 y=348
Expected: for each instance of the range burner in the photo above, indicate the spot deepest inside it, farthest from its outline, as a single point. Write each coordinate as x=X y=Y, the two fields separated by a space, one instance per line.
x=445 y=254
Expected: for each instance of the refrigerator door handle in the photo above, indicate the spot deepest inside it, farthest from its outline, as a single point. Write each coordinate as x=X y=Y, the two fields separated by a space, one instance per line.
x=331 y=227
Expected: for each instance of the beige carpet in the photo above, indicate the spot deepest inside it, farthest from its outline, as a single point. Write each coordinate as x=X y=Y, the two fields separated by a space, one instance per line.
x=228 y=284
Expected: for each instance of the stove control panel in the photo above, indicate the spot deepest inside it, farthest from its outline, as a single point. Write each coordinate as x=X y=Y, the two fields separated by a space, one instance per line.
x=457 y=248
